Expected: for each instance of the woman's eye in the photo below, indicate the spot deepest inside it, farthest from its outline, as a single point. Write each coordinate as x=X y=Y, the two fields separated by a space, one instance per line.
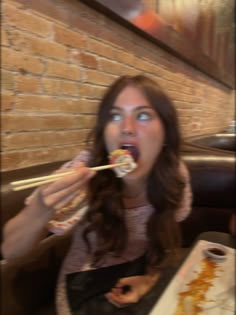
x=115 y=116
x=144 y=116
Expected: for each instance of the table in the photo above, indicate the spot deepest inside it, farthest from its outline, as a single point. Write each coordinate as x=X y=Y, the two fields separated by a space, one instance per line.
x=202 y=286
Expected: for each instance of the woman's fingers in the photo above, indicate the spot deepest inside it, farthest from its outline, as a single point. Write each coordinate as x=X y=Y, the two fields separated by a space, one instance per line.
x=52 y=198
x=128 y=290
x=81 y=175
x=62 y=197
x=66 y=201
x=61 y=192
x=123 y=299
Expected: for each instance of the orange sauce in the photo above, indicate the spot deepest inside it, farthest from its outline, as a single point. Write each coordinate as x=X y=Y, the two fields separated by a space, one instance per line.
x=197 y=288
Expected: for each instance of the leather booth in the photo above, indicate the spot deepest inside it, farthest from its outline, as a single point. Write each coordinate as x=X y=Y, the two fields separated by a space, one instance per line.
x=219 y=141
x=28 y=284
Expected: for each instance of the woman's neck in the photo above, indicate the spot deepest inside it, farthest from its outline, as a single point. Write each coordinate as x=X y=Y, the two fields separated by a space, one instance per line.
x=134 y=195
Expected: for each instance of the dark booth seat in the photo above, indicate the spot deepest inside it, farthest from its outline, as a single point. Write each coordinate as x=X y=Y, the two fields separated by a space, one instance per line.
x=213 y=183
x=220 y=141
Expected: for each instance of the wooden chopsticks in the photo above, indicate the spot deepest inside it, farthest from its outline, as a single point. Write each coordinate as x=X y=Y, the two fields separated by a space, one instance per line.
x=37 y=181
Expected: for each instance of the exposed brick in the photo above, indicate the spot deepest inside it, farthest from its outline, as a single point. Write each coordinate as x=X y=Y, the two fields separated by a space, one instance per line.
x=62 y=70
x=184 y=105
x=51 y=86
x=110 y=66
x=75 y=53
x=184 y=119
x=14 y=3
x=84 y=25
x=19 y=159
x=7 y=101
x=40 y=103
x=186 y=112
x=7 y=80
x=89 y=121
x=67 y=105
x=88 y=60
x=74 y=56
x=38 y=46
x=60 y=87
x=98 y=78
x=91 y=91
x=16 y=122
x=124 y=70
x=88 y=106
x=70 y=88
x=27 y=21
x=16 y=61
x=60 y=122
x=42 y=139
x=69 y=38
x=183 y=97
x=4 y=37
x=161 y=82
x=27 y=84
x=147 y=67
x=101 y=49
x=123 y=57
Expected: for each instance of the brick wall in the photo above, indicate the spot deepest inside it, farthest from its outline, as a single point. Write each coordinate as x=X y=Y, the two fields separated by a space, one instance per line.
x=57 y=59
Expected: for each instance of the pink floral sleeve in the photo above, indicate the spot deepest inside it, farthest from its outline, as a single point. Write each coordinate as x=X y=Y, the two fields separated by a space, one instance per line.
x=186 y=203
x=64 y=219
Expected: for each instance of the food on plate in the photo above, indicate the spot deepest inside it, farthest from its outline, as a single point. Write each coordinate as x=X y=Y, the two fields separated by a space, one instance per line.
x=192 y=299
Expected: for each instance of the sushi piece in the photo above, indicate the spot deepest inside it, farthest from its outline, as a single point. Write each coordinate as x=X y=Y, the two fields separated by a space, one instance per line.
x=122 y=156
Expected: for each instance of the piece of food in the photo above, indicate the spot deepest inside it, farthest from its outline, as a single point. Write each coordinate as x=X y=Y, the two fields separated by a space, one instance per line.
x=122 y=156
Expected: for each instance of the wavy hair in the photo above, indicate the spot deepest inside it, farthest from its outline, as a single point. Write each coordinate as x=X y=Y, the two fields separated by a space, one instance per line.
x=164 y=185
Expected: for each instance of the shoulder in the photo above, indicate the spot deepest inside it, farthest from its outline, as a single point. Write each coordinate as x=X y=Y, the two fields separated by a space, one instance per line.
x=184 y=171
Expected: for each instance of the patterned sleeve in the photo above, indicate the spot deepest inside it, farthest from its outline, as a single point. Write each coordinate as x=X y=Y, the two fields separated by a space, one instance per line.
x=83 y=156
x=63 y=219
x=185 y=207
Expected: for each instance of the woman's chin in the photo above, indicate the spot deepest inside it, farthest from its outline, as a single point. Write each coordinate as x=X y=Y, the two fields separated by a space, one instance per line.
x=135 y=175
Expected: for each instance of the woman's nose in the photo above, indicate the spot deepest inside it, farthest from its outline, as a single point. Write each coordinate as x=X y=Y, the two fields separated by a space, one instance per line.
x=128 y=126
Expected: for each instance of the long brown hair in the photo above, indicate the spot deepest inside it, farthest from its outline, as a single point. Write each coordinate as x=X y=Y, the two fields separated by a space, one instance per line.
x=164 y=187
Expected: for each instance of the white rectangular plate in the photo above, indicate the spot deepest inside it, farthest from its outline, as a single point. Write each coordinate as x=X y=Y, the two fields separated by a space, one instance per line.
x=209 y=287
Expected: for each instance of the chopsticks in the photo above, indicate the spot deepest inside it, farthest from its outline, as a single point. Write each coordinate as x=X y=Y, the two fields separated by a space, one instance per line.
x=37 y=181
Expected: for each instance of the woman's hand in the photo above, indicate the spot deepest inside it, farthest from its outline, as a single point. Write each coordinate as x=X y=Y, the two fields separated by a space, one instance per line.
x=23 y=232
x=61 y=192
x=131 y=289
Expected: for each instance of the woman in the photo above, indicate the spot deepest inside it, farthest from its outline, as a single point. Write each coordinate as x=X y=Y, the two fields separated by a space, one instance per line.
x=126 y=218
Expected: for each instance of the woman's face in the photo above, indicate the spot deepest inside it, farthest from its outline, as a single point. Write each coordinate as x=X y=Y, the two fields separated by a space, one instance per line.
x=133 y=122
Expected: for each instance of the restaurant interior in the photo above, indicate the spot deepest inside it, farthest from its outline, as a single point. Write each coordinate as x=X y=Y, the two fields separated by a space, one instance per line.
x=58 y=57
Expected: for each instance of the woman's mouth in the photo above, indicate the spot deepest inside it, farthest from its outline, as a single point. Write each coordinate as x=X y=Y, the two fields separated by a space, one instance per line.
x=132 y=149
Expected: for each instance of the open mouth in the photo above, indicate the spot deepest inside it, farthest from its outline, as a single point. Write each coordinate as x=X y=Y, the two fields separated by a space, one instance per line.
x=132 y=149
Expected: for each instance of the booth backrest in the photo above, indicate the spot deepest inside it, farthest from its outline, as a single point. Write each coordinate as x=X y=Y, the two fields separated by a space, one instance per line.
x=213 y=180
x=221 y=141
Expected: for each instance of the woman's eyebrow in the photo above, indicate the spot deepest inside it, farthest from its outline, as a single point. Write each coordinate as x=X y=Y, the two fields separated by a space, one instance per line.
x=143 y=107
x=116 y=107
x=135 y=109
